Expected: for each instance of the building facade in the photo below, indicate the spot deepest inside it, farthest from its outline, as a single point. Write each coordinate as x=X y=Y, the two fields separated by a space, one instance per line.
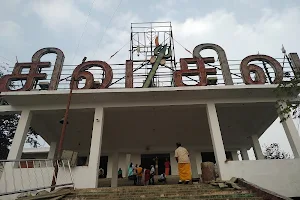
x=123 y=125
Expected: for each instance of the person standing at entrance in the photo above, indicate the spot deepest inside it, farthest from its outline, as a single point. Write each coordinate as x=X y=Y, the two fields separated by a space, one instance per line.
x=101 y=173
x=131 y=173
x=167 y=167
x=184 y=165
x=146 y=176
x=152 y=173
x=120 y=173
x=139 y=175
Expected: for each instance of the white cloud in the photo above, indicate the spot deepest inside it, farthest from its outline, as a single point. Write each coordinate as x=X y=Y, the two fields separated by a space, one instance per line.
x=117 y=35
x=11 y=38
x=104 y=5
x=168 y=9
x=241 y=39
x=60 y=15
x=10 y=29
x=11 y=5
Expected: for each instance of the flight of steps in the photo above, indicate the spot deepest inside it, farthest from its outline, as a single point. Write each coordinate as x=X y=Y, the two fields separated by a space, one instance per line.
x=155 y=192
x=105 y=182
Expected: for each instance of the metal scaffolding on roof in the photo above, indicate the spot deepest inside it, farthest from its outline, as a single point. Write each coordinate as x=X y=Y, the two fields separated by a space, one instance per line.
x=144 y=39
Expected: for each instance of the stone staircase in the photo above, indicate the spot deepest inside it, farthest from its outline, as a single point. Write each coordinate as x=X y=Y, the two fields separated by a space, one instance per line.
x=155 y=192
x=105 y=182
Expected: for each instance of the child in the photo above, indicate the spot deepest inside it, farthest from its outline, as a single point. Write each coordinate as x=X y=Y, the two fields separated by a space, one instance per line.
x=162 y=178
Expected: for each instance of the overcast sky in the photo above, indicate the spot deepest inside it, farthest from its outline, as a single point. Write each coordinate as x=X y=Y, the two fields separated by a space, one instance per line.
x=241 y=27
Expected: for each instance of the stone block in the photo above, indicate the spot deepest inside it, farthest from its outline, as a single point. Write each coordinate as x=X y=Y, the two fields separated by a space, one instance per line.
x=208 y=172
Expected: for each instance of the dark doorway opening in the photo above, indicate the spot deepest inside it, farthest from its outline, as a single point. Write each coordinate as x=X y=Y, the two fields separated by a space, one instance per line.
x=103 y=164
x=149 y=159
x=210 y=156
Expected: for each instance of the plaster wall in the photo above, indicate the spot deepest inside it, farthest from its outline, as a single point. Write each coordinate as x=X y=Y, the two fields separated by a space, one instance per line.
x=122 y=163
x=135 y=159
x=174 y=168
x=280 y=176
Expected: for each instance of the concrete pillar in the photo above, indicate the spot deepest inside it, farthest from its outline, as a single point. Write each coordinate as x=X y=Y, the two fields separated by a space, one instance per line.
x=234 y=155
x=95 y=149
x=292 y=136
x=52 y=150
x=199 y=161
x=244 y=153
x=174 y=165
x=216 y=138
x=115 y=163
x=20 y=135
x=7 y=181
x=193 y=161
x=257 y=148
x=109 y=166
x=291 y=133
x=128 y=156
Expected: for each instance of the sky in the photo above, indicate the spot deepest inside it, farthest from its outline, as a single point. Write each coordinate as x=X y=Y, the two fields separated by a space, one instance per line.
x=90 y=28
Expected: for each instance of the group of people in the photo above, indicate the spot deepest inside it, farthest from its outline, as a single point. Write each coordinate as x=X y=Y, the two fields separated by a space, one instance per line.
x=143 y=176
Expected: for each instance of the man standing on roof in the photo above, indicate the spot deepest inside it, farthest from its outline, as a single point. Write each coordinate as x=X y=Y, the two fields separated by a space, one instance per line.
x=184 y=165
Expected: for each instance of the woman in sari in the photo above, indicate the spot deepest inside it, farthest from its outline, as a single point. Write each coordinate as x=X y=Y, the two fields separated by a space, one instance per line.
x=131 y=173
x=146 y=176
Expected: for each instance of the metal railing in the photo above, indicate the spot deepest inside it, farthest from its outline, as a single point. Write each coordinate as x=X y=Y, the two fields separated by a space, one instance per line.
x=25 y=175
x=163 y=76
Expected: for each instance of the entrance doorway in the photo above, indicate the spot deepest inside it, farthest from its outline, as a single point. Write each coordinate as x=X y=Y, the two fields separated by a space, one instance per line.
x=149 y=159
x=103 y=164
x=210 y=156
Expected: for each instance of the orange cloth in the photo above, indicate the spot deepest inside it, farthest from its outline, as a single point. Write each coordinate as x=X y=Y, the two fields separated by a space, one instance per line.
x=184 y=170
x=139 y=171
x=167 y=171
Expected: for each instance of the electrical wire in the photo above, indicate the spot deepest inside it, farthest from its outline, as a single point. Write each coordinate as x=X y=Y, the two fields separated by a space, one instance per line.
x=107 y=27
x=84 y=29
x=6 y=59
x=117 y=51
x=182 y=46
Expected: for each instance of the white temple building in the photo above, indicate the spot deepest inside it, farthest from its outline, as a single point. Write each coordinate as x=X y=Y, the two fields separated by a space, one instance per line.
x=225 y=110
x=124 y=124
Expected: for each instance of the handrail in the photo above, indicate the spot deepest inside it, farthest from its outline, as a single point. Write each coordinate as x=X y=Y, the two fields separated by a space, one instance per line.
x=31 y=190
x=25 y=175
x=20 y=160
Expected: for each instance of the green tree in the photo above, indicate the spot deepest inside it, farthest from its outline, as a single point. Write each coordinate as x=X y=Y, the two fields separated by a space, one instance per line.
x=286 y=91
x=8 y=126
x=273 y=151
